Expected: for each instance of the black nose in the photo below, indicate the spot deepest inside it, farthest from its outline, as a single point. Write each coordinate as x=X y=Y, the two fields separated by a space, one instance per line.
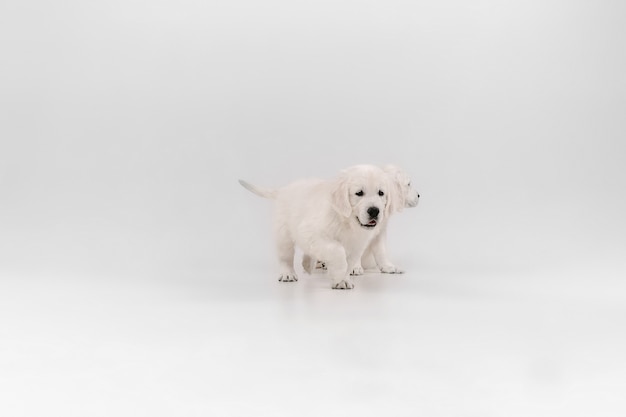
x=373 y=212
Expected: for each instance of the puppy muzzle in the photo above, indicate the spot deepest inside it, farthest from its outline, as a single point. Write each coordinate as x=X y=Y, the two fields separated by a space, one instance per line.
x=369 y=225
x=372 y=216
x=413 y=201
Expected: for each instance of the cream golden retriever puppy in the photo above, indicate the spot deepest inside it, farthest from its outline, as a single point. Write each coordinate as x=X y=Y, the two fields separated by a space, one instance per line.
x=334 y=220
x=375 y=255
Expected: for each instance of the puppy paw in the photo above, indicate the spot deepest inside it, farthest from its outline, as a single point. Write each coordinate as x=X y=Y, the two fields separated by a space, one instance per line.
x=344 y=284
x=320 y=265
x=288 y=278
x=357 y=270
x=391 y=269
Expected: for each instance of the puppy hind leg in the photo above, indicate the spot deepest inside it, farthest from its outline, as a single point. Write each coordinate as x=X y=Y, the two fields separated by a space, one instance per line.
x=286 y=250
x=307 y=263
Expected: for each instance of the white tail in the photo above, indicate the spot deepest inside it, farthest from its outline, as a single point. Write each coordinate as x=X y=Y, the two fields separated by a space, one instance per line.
x=262 y=192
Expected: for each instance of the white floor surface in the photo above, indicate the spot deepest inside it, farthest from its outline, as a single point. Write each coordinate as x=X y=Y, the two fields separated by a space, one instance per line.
x=431 y=342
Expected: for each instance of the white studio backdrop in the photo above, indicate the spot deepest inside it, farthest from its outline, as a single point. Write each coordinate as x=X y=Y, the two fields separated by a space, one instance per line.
x=125 y=125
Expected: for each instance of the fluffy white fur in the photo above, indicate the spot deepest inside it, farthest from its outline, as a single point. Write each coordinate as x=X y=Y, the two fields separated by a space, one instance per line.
x=334 y=220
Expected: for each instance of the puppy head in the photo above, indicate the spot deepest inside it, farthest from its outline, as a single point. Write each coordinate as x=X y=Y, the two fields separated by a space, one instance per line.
x=363 y=192
x=407 y=196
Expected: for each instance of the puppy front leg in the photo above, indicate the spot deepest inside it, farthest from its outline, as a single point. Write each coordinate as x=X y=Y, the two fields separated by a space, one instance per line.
x=355 y=261
x=334 y=256
x=379 y=250
x=367 y=260
x=357 y=269
x=357 y=265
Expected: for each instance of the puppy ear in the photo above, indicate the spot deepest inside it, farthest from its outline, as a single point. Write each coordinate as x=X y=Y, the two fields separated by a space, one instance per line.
x=340 y=199
x=395 y=197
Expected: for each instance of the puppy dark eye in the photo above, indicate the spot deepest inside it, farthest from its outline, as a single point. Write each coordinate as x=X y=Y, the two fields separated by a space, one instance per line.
x=380 y=193
x=360 y=193
x=409 y=184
